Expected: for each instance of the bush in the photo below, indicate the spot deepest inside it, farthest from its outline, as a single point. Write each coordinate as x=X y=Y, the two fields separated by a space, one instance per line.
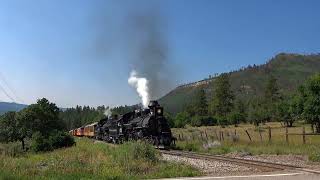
x=191 y=146
x=209 y=121
x=181 y=119
x=222 y=121
x=196 y=121
x=40 y=143
x=55 y=140
x=138 y=150
x=59 y=139
x=134 y=157
x=315 y=157
x=203 y=121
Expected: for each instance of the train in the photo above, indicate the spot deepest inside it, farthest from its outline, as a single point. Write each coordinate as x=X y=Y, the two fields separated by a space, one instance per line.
x=143 y=124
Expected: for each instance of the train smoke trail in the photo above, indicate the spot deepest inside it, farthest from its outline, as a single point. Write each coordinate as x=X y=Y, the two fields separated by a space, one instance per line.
x=141 y=85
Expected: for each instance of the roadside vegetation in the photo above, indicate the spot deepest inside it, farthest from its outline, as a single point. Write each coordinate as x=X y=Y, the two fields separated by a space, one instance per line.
x=93 y=160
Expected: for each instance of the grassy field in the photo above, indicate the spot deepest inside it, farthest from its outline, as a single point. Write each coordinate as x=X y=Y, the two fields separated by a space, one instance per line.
x=235 y=139
x=89 y=160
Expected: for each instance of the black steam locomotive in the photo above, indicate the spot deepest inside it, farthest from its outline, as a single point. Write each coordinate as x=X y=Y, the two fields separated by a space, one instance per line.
x=147 y=124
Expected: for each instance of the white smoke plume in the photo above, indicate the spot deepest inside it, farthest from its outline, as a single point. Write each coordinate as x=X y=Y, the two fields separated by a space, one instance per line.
x=141 y=85
x=108 y=112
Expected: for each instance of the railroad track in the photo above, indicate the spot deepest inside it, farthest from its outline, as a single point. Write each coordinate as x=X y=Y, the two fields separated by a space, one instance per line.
x=266 y=166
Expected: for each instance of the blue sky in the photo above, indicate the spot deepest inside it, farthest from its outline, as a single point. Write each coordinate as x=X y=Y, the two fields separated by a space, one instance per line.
x=73 y=52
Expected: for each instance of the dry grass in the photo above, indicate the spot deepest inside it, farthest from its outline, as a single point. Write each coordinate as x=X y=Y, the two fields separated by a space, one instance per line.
x=277 y=130
x=236 y=140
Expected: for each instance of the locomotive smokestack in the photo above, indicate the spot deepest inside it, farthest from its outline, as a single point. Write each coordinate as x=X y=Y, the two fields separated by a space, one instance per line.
x=153 y=104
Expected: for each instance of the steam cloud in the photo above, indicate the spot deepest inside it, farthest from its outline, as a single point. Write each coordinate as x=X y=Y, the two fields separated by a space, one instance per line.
x=141 y=85
x=149 y=52
x=108 y=112
x=137 y=34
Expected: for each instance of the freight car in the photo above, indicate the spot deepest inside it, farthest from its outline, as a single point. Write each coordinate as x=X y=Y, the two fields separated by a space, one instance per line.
x=144 y=124
x=80 y=131
x=90 y=130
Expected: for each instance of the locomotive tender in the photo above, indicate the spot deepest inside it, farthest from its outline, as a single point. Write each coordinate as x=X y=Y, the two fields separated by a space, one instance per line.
x=145 y=124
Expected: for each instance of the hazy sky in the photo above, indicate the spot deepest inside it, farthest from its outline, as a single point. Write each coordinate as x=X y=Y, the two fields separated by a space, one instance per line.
x=74 y=51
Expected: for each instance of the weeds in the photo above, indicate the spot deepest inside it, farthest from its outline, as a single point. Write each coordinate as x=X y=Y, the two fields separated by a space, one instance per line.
x=88 y=160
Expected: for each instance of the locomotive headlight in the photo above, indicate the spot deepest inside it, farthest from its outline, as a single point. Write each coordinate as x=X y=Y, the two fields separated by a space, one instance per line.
x=159 y=111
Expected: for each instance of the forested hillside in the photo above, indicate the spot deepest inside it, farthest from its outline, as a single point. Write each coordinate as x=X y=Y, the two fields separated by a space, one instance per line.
x=5 y=107
x=290 y=70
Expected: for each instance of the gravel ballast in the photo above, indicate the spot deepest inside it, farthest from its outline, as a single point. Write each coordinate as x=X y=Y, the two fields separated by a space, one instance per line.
x=295 y=160
x=211 y=166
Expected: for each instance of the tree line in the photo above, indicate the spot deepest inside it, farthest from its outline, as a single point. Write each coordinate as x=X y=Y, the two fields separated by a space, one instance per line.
x=79 y=116
x=221 y=107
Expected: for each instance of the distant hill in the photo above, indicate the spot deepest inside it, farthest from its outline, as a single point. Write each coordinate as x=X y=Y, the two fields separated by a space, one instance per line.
x=5 y=107
x=291 y=70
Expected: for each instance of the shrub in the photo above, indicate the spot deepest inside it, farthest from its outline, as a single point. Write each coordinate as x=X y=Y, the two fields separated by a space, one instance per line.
x=55 y=140
x=143 y=150
x=138 y=150
x=315 y=157
x=191 y=146
x=59 y=139
x=222 y=121
x=203 y=121
x=196 y=121
x=40 y=143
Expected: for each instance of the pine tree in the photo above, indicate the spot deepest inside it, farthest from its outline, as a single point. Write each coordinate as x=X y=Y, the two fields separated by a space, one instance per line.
x=271 y=97
x=222 y=99
x=201 y=104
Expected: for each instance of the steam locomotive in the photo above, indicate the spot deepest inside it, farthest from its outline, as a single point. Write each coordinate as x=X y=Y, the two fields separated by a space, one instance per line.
x=146 y=124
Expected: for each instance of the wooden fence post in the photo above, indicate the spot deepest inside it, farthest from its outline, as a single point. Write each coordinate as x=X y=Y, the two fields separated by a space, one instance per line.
x=260 y=134
x=287 y=138
x=205 y=132
x=269 y=129
x=304 y=135
x=222 y=135
x=215 y=132
x=179 y=137
x=235 y=132
x=248 y=135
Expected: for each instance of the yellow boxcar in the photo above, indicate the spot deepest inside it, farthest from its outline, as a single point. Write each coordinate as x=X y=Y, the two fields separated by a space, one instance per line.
x=89 y=130
x=80 y=131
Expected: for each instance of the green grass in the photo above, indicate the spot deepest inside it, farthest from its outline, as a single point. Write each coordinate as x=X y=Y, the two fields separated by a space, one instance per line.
x=192 y=140
x=88 y=160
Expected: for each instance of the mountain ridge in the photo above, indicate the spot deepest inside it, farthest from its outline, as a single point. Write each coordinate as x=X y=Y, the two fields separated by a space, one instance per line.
x=290 y=69
x=11 y=106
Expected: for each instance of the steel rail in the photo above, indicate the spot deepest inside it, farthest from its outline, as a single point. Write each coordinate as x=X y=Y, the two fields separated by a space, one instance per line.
x=243 y=162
